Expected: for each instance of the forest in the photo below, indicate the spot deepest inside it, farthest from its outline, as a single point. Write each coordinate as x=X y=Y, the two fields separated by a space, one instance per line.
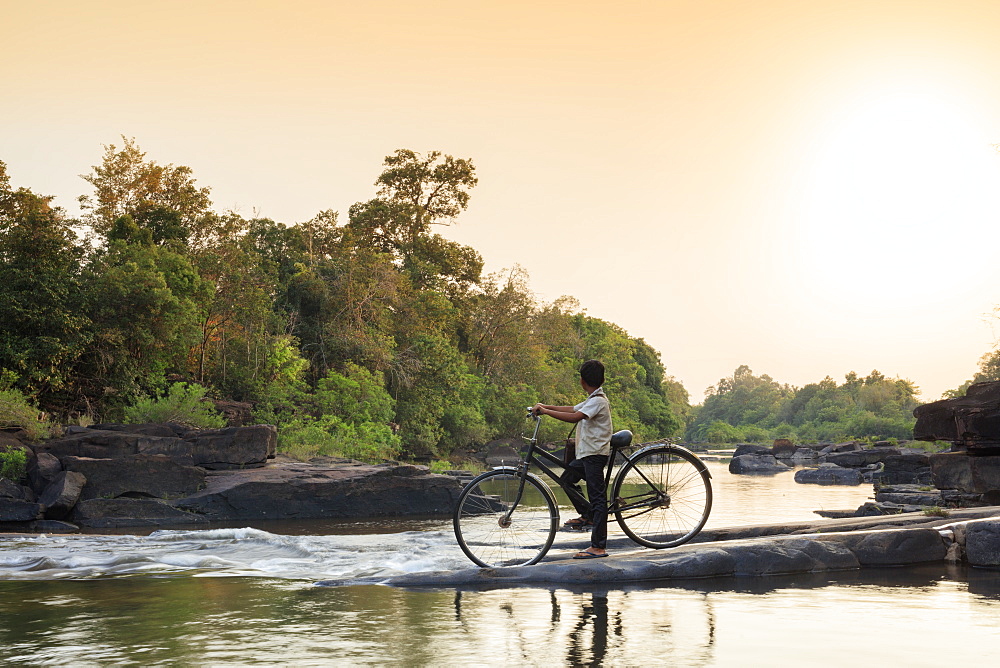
x=368 y=335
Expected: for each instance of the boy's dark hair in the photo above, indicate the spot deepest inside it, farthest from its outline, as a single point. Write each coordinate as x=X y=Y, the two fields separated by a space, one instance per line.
x=592 y=373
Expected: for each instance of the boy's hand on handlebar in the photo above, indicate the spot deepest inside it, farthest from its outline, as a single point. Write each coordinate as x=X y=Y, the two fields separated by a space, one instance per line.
x=536 y=410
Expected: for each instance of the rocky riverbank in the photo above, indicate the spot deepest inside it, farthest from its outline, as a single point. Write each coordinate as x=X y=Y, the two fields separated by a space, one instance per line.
x=113 y=475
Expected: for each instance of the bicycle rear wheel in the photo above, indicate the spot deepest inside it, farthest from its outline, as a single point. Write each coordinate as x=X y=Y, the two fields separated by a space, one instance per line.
x=663 y=496
x=485 y=534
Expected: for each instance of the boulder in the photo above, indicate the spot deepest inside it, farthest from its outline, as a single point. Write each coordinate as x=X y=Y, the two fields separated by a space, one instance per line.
x=62 y=494
x=859 y=458
x=829 y=474
x=43 y=470
x=783 y=448
x=757 y=464
x=839 y=447
x=233 y=447
x=111 y=444
x=894 y=547
x=108 y=513
x=305 y=491
x=11 y=490
x=237 y=413
x=959 y=471
x=138 y=475
x=52 y=526
x=804 y=455
x=751 y=449
x=971 y=422
x=982 y=542
x=502 y=454
x=18 y=510
x=906 y=469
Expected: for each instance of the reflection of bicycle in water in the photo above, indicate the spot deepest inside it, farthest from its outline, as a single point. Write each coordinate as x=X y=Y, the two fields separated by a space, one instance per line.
x=661 y=497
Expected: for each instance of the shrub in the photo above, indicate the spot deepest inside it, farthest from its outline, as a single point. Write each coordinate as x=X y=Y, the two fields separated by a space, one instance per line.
x=16 y=411
x=13 y=463
x=306 y=437
x=184 y=404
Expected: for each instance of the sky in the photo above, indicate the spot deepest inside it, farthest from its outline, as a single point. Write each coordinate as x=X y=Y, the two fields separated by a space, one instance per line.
x=807 y=188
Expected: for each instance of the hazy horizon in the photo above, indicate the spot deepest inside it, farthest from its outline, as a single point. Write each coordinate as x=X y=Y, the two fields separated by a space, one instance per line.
x=803 y=188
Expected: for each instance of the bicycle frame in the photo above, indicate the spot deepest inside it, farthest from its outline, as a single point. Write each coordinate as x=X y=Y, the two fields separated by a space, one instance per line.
x=529 y=459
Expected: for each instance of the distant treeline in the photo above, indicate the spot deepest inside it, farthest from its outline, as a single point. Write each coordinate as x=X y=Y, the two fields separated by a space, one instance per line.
x=745 y=407
x=371 y=337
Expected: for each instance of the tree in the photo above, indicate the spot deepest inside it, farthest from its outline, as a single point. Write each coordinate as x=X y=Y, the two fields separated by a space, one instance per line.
x=163 y=198
x=42 y=329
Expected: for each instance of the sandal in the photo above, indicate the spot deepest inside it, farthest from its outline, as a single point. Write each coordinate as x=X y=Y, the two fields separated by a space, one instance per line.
x=585 y=554
x=578 y=523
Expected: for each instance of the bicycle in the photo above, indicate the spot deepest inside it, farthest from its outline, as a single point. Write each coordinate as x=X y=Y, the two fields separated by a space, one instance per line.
x=508 y=516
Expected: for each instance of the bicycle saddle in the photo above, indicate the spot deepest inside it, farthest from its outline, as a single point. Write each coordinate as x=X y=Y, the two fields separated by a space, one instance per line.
x=621 y=439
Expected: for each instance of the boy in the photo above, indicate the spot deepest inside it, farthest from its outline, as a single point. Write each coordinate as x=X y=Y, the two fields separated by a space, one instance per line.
x=593 y=447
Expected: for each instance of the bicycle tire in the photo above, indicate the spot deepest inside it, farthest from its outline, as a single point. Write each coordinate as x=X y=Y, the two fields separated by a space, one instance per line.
x=662 y=496
x=479 y=514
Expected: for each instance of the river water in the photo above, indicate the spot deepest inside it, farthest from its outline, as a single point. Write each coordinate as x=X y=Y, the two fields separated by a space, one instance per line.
x=244 y=595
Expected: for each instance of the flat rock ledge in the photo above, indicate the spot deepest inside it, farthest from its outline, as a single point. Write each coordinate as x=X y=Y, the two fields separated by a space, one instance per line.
x=970 y=536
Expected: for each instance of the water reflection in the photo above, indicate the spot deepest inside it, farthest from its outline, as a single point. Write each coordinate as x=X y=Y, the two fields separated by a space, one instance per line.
x=884 y=613
x=590 y=627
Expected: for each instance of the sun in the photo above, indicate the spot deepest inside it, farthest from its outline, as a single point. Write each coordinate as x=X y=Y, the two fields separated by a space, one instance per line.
x=902 y=181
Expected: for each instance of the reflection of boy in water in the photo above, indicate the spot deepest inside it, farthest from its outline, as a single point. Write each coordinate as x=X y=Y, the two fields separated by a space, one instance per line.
x=593 y=447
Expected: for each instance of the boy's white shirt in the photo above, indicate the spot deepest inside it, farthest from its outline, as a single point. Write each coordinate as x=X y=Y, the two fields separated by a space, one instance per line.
x=593 y=433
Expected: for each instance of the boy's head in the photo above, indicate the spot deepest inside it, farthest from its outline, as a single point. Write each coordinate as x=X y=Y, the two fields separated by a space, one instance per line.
x=592 y=373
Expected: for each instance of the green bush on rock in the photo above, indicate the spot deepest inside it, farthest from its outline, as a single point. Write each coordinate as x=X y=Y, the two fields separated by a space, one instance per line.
x=184 y=404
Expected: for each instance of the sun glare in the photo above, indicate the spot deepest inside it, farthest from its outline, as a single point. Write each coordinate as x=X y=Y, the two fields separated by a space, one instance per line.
x=904 y=182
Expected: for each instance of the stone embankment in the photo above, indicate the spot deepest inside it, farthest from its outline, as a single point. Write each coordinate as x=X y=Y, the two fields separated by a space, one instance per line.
x=158 y=475
x=969 y=536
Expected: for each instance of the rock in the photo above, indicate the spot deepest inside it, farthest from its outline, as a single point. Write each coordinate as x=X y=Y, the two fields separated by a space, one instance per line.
x=229 y=448
x=237 y=413
x=837 y=514
x=233 y=447
x=160 y=429
x=757 y=464
x=906 y=469
x=828 y=474
x=62 y=494
x=971 y=422
x=783 y=448
x=751 y=449
x=982 y=542
x=11 y=490
x=43 y=470
x=18 y=510
x=502 y=455
x=957 y=470
x=138 y=475
x=804 y=454
x=108 y=513
x=859 y=458
x=52 y=526
x=910 y=498
x=840 y=447
x=303 y=491
x=895 y=547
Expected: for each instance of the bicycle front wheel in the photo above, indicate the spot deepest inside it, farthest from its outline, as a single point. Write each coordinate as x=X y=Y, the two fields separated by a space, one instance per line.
x=492 y=536
x=662 y=496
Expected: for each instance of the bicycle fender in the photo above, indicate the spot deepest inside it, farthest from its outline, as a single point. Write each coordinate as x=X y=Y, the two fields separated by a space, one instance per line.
x=671 y=446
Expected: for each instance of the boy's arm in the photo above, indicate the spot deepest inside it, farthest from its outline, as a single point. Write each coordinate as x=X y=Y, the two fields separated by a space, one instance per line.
x=564 y=413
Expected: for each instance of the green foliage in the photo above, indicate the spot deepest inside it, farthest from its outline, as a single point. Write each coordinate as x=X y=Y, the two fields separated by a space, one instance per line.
x=753 y=408
x=13 y=464
x=306 y=437
x=17 y=411
x=184 y=404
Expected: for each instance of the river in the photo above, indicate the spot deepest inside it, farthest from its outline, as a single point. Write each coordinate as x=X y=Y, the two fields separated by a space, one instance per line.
x=244 y=595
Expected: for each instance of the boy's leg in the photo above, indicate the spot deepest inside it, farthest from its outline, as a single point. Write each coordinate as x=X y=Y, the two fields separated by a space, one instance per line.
x=574 y=472
x=594 y=472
